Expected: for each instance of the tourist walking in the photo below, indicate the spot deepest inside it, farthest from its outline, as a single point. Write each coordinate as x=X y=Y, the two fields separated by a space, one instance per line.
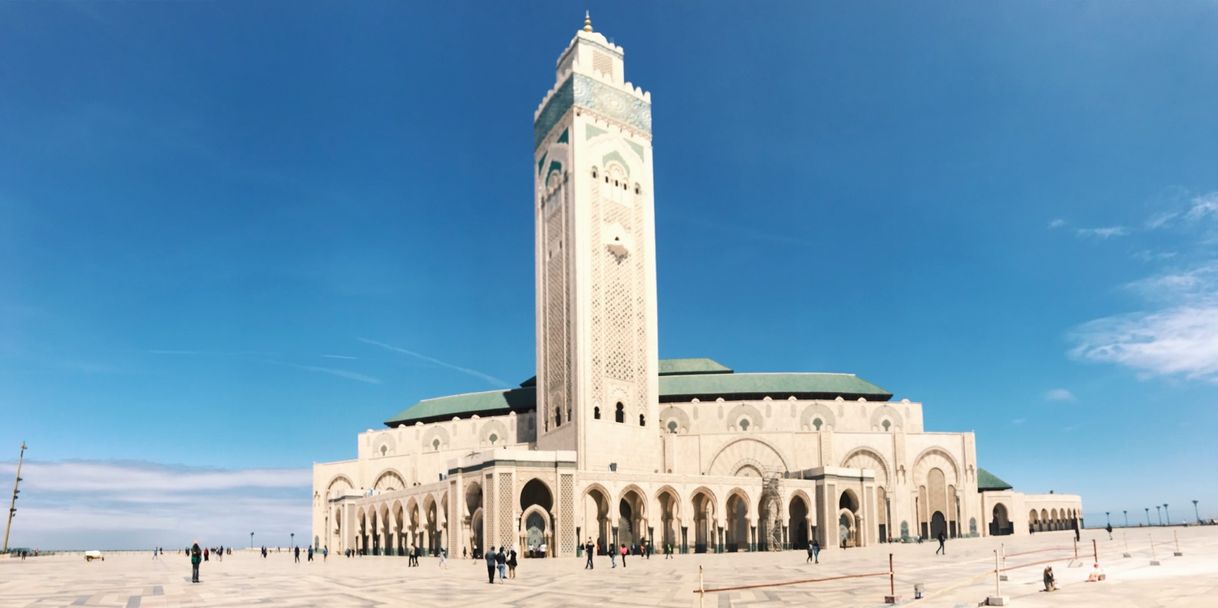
x=310 y=552
x=490 y=567
x=624 y=551
x=325 y=552
x=501 y=563
x=612 y=556
x=196 y=556
x=511 y=563
x=444 y=558
x=942 y=547
x=297 y=552
x=589 y=548
x=1109 y=529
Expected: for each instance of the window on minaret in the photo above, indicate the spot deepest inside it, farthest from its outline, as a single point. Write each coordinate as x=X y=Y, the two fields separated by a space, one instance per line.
x=672 y=426
x=596 y=413
x=744 y=424
x=817 y=423
x=642 y=420
x=887 y=424
x=620 y=415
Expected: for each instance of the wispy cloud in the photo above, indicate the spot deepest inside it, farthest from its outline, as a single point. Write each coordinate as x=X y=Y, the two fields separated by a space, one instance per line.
x=1198 y=209
x=111 y=505
x=1019 y=421
x=1103 y=233
x=345 y=357
x=493 y=381
x=1060 y=394
x=341 y=373
x=1180 y=338
x=1056 y=223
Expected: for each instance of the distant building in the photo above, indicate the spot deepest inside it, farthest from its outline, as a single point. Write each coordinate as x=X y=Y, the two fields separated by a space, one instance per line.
x=611 y=443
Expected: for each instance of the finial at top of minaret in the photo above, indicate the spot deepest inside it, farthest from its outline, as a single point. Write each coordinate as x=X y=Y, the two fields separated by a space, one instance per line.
x=587 y=21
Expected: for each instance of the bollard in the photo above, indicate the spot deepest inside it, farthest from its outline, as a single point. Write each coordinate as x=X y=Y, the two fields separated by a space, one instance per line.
x=1125 y=537
x=892 y=596
x=998 y=599
x=1177 y=537
x=1154 y=560
x=1003 y=576
x=1075 y=563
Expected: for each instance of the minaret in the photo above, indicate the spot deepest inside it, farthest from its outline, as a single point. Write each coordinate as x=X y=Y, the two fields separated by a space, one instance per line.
x=597 y=385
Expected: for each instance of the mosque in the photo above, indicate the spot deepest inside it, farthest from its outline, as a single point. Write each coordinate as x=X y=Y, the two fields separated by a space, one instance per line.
x=611 y=443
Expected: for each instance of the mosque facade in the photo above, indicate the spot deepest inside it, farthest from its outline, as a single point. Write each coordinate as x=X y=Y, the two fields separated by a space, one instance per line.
x=611 y=443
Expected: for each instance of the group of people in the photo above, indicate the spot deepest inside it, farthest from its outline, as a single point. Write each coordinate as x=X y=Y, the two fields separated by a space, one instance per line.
x=500 y=560
x=644 y=551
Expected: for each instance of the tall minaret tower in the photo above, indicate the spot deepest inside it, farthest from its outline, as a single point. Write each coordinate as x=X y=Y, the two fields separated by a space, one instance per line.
x=597 y=365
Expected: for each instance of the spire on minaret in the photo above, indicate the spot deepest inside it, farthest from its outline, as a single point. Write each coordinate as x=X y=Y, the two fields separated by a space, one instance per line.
x=587 y=21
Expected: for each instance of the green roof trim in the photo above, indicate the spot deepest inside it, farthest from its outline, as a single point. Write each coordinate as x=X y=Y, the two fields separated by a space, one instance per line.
x=487 y=403
x=804 y=385
x=680 y=380
x=673 y=367
x=986 y=481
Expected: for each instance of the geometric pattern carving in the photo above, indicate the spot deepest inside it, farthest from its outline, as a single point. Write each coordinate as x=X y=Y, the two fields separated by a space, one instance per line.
x=745 y=453
x=867 y=459
x=504 y=520
x=566 y=525
x=588 y=93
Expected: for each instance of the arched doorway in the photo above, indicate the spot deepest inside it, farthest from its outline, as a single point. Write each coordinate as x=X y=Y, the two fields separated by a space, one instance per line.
x=704 y=522
x=473 y=518
x=938 y=525
x=737 y=523
x=596 y=518
x=849 y=534
x=1001 y=524
x=797 y=523
x=631 y=528
x=536 y=527
x=669 y=505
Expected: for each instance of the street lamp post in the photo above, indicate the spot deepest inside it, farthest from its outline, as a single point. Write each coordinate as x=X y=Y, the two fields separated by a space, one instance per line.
x=1166 y=514
x=294 y=539
x=1108 y=519
x=1126 y=512
x=1159 y=513
x=1148 y=516
x=251 y=540
x=1196 y=512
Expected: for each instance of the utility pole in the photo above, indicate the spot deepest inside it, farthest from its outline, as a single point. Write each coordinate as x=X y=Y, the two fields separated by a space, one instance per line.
x=12 y=503
x=1196 y=512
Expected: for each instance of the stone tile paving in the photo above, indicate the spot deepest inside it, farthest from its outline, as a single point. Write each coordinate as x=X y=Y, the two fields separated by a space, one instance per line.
x=964 y=577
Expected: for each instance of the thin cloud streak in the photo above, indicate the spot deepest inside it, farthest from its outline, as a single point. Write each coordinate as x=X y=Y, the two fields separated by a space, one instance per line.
x=1103 y=233
x=341 y=373
x=344 y=357
x=495 y=382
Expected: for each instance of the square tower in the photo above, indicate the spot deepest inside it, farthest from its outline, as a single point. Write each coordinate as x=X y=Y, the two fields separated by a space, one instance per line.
x=597 y=359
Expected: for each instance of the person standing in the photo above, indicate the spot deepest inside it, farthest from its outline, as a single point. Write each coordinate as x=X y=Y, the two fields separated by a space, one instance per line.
x=511 y=563
x=589 y=549
x=815 y=550
x=310 y=552
x=942 y=546
x=1050 y=580
x=444 y=557
x=325 y=552
x=297 y=552
x=196 y=556
x=490 y=567
x=205 y=553
x=1109 y=529
x=612 y=556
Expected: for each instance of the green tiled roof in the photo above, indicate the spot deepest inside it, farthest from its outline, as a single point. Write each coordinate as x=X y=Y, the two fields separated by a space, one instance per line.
x=674 y=367
x=776 y=386
x=487 y=403
x=987 y=481
x=680 y=380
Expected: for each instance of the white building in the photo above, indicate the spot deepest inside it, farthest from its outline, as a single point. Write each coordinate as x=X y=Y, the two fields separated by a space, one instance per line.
x=611 y=443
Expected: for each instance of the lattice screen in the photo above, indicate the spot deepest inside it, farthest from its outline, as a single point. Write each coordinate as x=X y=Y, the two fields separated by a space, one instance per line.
x=505 y=526
x=566 y=515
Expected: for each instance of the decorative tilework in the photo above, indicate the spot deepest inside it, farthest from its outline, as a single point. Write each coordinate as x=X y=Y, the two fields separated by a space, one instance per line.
x=598 y=97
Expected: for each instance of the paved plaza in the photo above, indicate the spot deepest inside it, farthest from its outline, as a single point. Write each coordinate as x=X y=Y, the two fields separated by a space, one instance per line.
x=963 y=578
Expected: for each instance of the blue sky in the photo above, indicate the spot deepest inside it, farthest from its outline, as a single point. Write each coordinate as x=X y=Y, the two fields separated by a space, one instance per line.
x=233 y=236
